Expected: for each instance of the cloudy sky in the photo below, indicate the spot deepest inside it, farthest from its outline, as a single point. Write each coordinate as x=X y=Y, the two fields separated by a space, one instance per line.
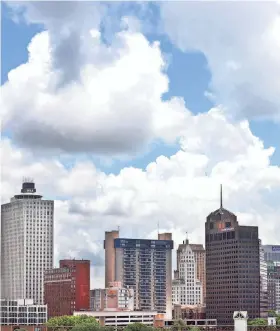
x=132 y=114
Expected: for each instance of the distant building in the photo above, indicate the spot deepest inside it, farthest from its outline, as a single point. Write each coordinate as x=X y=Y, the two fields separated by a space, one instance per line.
x=186 y=287
x=67 y=288
x=121 y=318
x=22 y=312
x=199 y=256
x=232 y=267
x=272 y=257
x=271 y=253
x=26 y=244
x=143 y=265
x=188 y=312
x=115 y=297
x=263 y=284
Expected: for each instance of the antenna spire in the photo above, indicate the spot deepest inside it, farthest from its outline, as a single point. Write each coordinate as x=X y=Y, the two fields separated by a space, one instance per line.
x=221 y=196
x=158 y=227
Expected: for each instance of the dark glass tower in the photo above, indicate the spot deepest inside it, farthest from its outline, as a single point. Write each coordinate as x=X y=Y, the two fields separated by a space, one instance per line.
x=232 y=267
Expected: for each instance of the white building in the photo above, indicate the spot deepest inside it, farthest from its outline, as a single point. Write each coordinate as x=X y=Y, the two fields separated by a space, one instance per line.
x=26 y=244
x=22 y=312
x=120 y=318
x=186 y=287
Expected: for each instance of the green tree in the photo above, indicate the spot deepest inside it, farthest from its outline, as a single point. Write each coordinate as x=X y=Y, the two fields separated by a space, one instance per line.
x=61 y=322
x=86 y=327
x=272 y=313
x=258 y=322
x=178 y=325
x=138 y=327
x=194 y=328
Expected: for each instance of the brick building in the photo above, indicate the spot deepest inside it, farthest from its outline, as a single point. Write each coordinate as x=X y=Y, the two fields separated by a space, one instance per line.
x=67 y=288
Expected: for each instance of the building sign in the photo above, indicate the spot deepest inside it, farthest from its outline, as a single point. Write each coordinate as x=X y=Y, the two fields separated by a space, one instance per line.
x=275 y=248
x=227 y=229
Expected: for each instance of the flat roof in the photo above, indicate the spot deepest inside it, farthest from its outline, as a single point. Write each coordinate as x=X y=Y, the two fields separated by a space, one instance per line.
x=115 y=313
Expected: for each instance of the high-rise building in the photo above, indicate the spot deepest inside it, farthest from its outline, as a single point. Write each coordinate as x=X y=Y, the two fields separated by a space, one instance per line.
x=199 y=256
x=263 y=284
x=143 y=265
x=115 y=297
x=26 y=244
x=186 y=287
x=272 y=257
x=232 y=267
x=67 y=288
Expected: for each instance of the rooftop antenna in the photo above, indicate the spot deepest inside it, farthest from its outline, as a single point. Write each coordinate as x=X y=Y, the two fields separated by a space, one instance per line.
x=221 y=196
x=118 y=228
x=158 y=227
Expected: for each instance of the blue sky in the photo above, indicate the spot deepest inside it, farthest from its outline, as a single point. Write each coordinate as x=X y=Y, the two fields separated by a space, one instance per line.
x=188 y=73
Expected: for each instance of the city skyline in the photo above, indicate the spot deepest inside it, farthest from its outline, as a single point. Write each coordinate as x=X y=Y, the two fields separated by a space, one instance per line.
x=129 y=120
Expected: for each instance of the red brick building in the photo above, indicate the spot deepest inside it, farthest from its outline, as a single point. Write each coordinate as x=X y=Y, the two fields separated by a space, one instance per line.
x=67 y=288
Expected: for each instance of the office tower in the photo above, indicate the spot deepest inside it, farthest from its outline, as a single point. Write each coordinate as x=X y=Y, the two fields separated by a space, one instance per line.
x=145 y=266
x=186 y=287
x=115 y=297
x=263 y=284
x=22 y=312
x=27 y=244
x=232 y=267
x=271 y=253
x=272 y=257
x=67 y=288
x=199 y=256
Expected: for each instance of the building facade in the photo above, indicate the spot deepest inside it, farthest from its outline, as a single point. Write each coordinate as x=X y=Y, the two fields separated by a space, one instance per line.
x=199 y=256
x=144 y=266
x=186 y=287
x=115 y=297
x=22 y=312
x=263 y=284
x=271 y=253
x=26 y=244
x=67 y=288
x=274 y=286
x=232 y=267
x=121 y=318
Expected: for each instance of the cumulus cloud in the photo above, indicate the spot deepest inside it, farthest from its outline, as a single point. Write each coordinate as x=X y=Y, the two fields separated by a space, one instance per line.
x=240 y=41
x=115 y=108
x=177 y=191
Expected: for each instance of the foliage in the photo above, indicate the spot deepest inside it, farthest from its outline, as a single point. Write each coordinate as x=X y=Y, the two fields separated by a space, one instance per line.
x=86 y=327
x=66 y=321
x=194 y=328
x=138 y=327
x=178 y=325
x=258 y=322
x=272 y=313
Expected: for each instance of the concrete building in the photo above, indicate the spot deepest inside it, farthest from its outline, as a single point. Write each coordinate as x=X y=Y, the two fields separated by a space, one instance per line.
x=143 y=265
x=22 y=312
x=271 y=253
x=272 y=257
x=188 y=312
x=26 y=244
x=115 y=297
x=263 y=284
x=121 y=318
x=232 y=267
x=186 y=287
x=67 y=288
x=199 y=256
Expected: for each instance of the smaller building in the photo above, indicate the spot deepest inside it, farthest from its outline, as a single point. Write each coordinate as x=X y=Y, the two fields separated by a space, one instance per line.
x=187 y=312
x=121 y=318
x=274 y=286
x=67 y=288
x=22 y=312
x=115 y=297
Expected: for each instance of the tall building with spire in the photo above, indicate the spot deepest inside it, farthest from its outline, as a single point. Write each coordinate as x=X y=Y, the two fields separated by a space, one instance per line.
x=232 y=266
x=26 y=244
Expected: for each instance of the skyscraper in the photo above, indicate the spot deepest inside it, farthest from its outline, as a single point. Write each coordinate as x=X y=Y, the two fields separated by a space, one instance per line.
x=27 y=244
x=186 y=287
x=232 y=266
x=272 y=257
x=143 y=265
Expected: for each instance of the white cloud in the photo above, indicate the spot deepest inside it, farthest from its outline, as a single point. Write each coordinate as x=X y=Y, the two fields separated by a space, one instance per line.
x=115 y=108
x=173 y=191
x=240 y=41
